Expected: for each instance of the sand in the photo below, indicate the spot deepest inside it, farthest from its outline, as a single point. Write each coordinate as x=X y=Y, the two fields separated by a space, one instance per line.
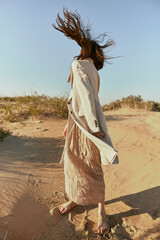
x=32 y=181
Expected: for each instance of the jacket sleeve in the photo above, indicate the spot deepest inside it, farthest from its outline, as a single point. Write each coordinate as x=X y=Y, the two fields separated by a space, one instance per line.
x=85 y=91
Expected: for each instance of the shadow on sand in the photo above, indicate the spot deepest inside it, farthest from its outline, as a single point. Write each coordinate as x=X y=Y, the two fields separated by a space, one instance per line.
x=32 y=220
x=141 y=202
x=16 y=153
x=119 y=117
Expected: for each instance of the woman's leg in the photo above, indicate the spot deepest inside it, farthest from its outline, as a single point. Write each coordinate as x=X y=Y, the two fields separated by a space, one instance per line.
x=103 y=224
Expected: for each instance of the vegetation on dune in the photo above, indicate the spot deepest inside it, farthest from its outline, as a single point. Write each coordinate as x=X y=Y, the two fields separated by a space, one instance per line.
x=36 y=106
x=133 y=102
x=16 y=109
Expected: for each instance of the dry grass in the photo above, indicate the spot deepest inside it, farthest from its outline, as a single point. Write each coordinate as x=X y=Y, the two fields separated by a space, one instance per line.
x=133 y=102
x=15 y=109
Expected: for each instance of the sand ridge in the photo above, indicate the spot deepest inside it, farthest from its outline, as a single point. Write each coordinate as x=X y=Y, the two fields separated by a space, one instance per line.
x=32 y=181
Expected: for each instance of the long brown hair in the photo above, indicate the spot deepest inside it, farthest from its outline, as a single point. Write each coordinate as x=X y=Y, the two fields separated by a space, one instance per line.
x=73 y=28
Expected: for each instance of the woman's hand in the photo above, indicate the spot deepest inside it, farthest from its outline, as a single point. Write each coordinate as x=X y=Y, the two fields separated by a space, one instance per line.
x=99 y=134
x=65 y=131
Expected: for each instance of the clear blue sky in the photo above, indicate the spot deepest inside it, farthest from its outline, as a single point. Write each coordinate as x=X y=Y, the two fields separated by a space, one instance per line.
x=36 y=57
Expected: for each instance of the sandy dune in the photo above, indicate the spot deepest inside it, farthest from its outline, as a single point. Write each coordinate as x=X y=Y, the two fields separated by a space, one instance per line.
x=32 y=181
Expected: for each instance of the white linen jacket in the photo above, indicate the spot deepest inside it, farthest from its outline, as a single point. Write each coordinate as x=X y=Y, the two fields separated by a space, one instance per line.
x=83 y=102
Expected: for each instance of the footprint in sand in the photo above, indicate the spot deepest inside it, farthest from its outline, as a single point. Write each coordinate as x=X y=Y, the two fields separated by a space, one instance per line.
x=123 y=231
x=32 y=180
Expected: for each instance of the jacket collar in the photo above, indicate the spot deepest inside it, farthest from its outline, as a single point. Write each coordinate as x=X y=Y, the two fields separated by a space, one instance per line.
x=90 y=59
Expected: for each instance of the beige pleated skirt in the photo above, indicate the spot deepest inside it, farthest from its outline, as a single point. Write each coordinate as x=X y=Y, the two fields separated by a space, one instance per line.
x=84 y=182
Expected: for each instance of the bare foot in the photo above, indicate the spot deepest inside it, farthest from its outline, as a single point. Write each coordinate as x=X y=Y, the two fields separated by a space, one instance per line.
x=64 y=208
x=103 y=224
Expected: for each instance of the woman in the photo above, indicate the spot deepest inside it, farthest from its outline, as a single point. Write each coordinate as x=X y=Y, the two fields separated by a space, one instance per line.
x=88 y=145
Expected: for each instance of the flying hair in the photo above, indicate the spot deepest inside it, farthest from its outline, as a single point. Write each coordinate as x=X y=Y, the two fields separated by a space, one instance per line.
x=73 y=28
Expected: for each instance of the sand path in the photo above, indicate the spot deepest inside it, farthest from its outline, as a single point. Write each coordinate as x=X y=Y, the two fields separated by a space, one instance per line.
x=32 y=181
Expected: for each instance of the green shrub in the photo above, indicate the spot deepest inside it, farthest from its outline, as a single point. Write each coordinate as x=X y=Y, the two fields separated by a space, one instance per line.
x=3 y=134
